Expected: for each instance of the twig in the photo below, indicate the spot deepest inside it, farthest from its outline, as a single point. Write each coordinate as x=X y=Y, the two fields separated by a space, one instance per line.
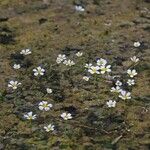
x=116 y=140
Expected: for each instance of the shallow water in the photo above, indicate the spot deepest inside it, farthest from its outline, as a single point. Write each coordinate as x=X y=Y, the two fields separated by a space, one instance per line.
x=106 y=29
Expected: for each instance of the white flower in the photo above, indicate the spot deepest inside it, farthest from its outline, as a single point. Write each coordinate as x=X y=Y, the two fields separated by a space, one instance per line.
x=101 y=62
x=131 y=73
x=13 y=84
x=88 y=65
x=125 y=95
x=45 y=106
x=118 y=83
x=30 y=116
x=49 y=91
x=137 y=44
x=116 y=89
x=134 y=59
x=16 y=66
x=79 y=8
x=86 y=78
x=130 y=82
x=111 y=103
x=60 y=58
x=116 y=76
x=49 y=128
x=94 y=69
x=105 y=69
x=79 y=54
x=39 y=71
x=69 y=62
x=66 y=116
x=25 y=52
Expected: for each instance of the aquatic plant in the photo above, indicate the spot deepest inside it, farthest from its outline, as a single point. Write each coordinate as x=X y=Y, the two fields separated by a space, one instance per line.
x=39 y=71
x=79 y=8
x=118 y=83
x=134 y=59
x=116 y=89
x=66 y=116
x=79 y=54
x=125 y=95
x=130 y=82
x=101 y=62
x=86 y=78
x=131 y=73
x=44 y=105
x=16 y=66
x=49 y=128
x=49 y=91
x=137 y=44
x=60 y=58
x=111 y=103
x=26 y=52
x=69 y=62
x=30 y=116
x=101 y=71
x=14 y=84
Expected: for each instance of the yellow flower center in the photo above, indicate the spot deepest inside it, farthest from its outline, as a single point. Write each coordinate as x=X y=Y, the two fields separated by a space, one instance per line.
x=104 y=69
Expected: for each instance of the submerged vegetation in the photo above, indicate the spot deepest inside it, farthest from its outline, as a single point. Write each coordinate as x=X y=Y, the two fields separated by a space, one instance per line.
x=74 y=75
